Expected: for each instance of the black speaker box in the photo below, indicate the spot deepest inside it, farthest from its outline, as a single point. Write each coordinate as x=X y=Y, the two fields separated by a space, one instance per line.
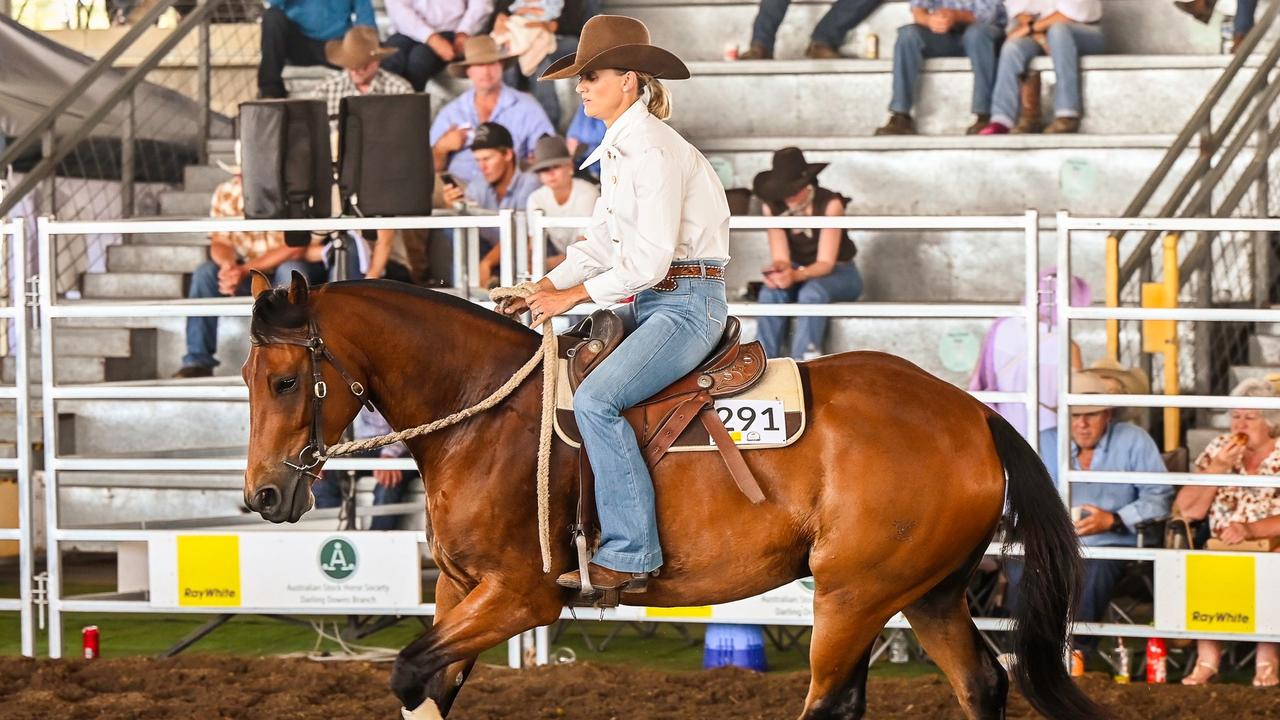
x=385 y=166
x=287 y=165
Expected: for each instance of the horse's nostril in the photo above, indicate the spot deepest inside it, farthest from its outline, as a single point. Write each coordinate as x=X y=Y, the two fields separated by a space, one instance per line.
x=266 y=499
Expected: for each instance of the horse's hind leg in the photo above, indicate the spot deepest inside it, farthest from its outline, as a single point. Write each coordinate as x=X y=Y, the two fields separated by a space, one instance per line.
x=839 y=656
x=944 y=627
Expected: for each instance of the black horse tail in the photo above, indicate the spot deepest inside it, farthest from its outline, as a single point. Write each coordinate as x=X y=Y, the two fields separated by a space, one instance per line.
x=1051 y=580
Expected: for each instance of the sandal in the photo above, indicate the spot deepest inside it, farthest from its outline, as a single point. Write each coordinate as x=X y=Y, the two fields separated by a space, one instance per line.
x=1193 y=679
x=1265 y=675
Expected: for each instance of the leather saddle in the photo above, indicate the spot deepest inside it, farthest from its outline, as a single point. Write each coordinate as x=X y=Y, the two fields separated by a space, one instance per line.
x=731 y=368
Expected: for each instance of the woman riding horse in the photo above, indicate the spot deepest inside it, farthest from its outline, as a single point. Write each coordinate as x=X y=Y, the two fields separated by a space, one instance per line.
x=660 y=234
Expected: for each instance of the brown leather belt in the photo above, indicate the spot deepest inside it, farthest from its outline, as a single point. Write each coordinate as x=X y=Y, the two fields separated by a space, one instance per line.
x=710 y=272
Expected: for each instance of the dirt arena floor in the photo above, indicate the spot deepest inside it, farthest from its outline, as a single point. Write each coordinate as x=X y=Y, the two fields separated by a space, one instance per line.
x=198 y=687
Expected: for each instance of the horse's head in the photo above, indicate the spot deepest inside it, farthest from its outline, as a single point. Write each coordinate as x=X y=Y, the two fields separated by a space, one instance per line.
x=293 y=413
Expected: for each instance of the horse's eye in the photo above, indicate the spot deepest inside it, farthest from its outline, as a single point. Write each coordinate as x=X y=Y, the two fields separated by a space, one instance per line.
x=286 y=385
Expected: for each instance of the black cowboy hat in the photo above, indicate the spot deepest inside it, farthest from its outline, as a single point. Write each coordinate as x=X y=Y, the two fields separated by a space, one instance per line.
x=790 y=174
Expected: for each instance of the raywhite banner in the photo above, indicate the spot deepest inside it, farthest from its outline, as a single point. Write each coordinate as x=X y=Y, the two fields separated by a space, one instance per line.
x=330 y=572
x=1219 y=592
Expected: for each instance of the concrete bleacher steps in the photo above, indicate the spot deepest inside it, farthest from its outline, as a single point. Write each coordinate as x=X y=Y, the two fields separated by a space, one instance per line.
x=135 y=285
x=91 y=355
x=156 y=258
x=703 y=31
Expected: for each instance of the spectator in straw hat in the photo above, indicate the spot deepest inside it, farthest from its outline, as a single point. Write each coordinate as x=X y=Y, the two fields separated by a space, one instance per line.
x=1105 y=514
x=808 y=266
x=360 y=57
x=430 y=34
x=294 y=32
x=561 y=194
x=488 y=101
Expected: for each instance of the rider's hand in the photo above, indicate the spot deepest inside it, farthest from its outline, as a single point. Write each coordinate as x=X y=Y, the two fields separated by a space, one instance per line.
x=549 y=302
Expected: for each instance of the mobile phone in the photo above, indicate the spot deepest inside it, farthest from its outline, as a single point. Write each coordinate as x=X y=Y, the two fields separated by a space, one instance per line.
x=449 y=179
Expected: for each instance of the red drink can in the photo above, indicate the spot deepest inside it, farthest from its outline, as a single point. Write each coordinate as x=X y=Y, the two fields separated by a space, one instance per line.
x=1157 y=661
x=90 y=638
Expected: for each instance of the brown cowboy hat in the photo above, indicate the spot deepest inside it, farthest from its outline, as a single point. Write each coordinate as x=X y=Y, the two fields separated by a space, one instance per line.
x=790 y=174
x=479 y=50
x=357 y=48
x=551 y=151
x=620 y=43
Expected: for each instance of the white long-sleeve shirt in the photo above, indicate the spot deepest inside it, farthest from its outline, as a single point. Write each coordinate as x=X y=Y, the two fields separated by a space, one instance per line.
x=1084 y=11
x=420 y=19
x=660 y=200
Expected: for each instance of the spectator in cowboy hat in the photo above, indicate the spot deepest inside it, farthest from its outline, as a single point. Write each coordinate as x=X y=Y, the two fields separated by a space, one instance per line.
x=431 y=34
x=488 y=101
x=1105 y=514
x=561 y=194
x=294 y=32
x=808 y=266
x=945 y=28
x=360 y=57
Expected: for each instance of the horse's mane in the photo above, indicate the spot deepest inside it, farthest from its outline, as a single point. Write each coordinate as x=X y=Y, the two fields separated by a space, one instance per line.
x=274 y=310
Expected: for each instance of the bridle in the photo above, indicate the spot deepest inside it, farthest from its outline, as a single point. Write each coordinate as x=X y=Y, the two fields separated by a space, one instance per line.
x=314 y=453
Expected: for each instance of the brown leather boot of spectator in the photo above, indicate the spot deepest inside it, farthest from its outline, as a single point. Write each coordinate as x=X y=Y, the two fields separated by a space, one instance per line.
x=1063 y=126
x=756 y=52
x=193 y=371
x=980 y=120
x=1029 y=121
x=1201 y=10
x=821 y=51
x=899 y=124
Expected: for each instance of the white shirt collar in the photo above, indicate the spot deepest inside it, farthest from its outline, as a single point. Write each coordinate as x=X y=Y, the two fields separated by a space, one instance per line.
x=625 y=122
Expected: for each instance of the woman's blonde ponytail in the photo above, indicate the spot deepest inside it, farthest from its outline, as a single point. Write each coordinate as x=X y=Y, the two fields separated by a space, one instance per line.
x=659 y=98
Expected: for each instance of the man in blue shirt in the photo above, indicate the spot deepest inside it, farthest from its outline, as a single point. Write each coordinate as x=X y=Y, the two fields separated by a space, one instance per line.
x=946 y=28
x=294 y=32
x=488 y=101
x=1105 y=514
x=502 y=186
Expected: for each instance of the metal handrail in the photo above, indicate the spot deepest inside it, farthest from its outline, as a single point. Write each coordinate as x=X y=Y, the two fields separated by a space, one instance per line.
x=1200 y=120
x=48 y=165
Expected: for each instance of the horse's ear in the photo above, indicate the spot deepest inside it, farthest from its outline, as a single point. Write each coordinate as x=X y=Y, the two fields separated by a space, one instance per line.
x=258 y=284
x=298 y=288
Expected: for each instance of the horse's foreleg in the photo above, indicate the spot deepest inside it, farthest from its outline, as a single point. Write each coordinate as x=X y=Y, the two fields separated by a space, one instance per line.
x=488 y=615
x=443 y=687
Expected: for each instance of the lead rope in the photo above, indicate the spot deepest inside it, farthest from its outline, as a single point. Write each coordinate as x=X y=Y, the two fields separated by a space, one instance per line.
x=545 y=355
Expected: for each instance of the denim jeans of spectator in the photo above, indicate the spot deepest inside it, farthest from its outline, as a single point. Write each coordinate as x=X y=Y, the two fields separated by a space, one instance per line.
x=1100 y=578
x=843 y=284
x=328 y=492
x=414 y=61
x=831 y=30
x=978 y=41
x=674 y=331
x=202 y=332
x=1245 y=10
x=544 y=92
x=283 y=43
x=1067 y=42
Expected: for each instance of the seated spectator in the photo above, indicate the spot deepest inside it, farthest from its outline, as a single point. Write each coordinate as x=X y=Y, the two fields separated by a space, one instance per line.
x=1238 y=513
x=1242 y=23
x=945 y=28
x=360 y=57
x=294 y=32
x=1002 y=361
x=502 y=186
x=827 y=37
x=389 y=485
x=232 y=256
x=561 y=194
x=584 y=136
x=1062 y=29
x=809 y=266
x=430 y=34
x=562 y=39
x=488 y=101
x=1105 y=514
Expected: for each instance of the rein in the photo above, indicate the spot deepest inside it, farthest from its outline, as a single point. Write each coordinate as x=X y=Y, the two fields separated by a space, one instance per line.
x=316 y=453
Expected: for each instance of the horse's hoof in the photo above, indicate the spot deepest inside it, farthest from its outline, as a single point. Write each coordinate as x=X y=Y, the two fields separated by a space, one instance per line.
x=426 y=711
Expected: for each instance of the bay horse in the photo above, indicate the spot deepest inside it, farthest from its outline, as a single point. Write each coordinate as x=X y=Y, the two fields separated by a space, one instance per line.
x=888 y=500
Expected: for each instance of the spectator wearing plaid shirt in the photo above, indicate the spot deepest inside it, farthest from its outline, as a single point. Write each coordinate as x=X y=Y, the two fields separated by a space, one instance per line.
x=360 y=57
x=945 y=28
x=232 y=256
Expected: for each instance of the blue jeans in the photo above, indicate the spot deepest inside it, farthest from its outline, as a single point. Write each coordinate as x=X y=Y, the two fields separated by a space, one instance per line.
x=831 y=30
x=916 y=42
x=674 y=332
x=1067 y=42
x=544 y=92
x=202 y=332
x=1100 y=578
x=1245 y=10
x=328 y=492
x=843 y=284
